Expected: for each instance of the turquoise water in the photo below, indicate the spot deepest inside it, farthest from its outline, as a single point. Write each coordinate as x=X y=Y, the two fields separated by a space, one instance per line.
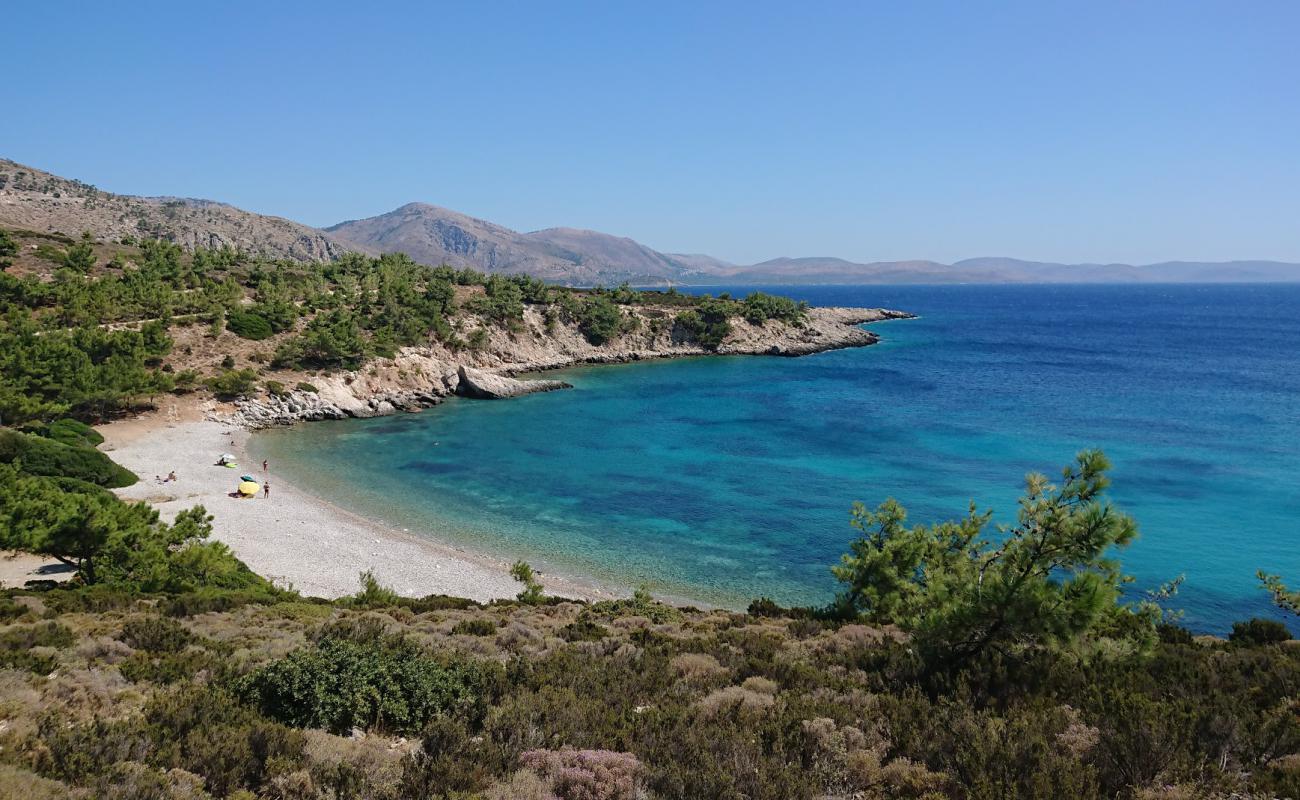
x=723 y=479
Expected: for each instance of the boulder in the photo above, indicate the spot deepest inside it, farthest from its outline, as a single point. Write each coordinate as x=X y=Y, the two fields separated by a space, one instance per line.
x=489 y=386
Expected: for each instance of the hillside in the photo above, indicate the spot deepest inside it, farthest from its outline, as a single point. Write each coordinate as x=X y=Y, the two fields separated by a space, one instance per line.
x=39 y=201
x=433 y=235
x=36 y=200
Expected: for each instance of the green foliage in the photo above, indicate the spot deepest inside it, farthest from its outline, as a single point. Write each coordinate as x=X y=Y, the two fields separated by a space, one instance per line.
x=386 y=684
x=156 y=635
x=1046 y=580
x=248 y=325
x=115 y=543
x=478 y=339
x=708 y=324
x=583 y=630
x=17 y=646
x=37 y=455
x=640 y=604
x=275 y=388
x=233 y=383
x=303 y=386
x=532 y=591
x=1259 y=631
x=373 y=594
x=599 y=319
x=333 y=339
x=758 y=307
x=8 y=247
x=475 y=626
x=71 y=432
x=1283 y=597
x=202 y=730
x=80 y=257
x=502 y=301
x=86 y=371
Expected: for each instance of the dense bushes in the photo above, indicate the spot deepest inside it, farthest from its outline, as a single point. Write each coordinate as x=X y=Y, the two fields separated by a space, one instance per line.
x=233 y=382
x=758 y=307
x=599 y=319
x=70 y=432
x=201 y=730
x=382 y=683
x=707 y=704
x=1259 y=631
x=21 y=647
x=248 y=325
x=708 y=323
x=38 y=455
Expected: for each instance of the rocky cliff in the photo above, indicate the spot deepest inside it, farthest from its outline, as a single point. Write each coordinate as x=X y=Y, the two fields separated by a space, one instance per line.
x=422 y=376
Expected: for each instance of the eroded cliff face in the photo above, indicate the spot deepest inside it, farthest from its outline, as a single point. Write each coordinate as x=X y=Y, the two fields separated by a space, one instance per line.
x=422 y=376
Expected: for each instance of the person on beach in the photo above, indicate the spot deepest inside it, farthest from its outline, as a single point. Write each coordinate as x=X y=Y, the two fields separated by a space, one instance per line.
x=266 y=490
x=264 y=465
x=171 y=476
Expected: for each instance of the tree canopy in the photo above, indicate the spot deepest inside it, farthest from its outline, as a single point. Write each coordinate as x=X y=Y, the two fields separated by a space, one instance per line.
x=962 y=589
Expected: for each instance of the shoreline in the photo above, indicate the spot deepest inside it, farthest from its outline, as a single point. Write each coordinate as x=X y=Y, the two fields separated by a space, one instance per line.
x=422 y=377
x=295 y=538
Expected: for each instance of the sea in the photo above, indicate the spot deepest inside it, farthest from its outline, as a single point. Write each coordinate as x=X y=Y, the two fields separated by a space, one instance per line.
x=718 y=480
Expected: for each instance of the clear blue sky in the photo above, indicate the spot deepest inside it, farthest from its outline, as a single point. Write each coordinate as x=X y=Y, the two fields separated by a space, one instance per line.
x=1075 y=131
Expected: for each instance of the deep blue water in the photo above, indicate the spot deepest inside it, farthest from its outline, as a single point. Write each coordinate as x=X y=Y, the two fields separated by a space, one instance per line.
x=723 y=479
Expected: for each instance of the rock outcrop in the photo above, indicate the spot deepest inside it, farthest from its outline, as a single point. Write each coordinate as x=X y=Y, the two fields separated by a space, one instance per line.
x=488 y=386
x=422 y=376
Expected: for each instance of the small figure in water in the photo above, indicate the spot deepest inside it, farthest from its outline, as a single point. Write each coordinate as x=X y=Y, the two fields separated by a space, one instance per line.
x=266 y=490
x=171 y=476
x=264 y=465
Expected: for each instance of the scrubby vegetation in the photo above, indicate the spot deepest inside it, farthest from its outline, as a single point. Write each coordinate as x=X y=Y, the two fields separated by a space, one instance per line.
x=88 y=330
x=956 y=663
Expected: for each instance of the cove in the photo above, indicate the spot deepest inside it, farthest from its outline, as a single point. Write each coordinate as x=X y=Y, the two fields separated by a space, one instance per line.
x=723 y=479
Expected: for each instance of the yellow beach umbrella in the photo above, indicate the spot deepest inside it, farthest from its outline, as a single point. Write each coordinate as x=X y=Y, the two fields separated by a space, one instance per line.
x=248 y=488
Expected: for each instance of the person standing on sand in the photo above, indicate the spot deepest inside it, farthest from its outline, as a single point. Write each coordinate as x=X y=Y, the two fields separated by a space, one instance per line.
x=266 y=490
x=264 y=465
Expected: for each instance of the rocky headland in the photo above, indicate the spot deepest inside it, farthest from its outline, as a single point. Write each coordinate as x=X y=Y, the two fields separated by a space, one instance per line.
x=419 y=377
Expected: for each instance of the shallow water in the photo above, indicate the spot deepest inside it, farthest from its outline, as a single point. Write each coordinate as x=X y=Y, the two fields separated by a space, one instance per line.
x=723 y=479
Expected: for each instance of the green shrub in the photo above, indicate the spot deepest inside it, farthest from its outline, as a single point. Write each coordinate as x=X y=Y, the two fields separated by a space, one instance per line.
x=477 y=626
x=304 y=386
x=1259 y=631
x=233 y=383
x=758 y=307
x=155 y=635
x=11 y=609
x=1174 y=634
x=169 y=668
x=47 y=457
x=248 y=325
x=388 y=685
x=71 y=432
x=599 y=319
x=583 y=630
x=708 y=324
x=16 y=645
x=275 y=388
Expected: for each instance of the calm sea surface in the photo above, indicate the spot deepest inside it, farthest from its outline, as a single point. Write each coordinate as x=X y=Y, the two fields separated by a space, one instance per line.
x=722 y=479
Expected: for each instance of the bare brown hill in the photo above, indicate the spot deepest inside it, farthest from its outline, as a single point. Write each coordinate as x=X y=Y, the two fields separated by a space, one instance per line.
x=36 y=200
x=434 y=235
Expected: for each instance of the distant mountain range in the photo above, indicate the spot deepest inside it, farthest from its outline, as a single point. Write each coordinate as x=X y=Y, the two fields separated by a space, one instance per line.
x=37 y=200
